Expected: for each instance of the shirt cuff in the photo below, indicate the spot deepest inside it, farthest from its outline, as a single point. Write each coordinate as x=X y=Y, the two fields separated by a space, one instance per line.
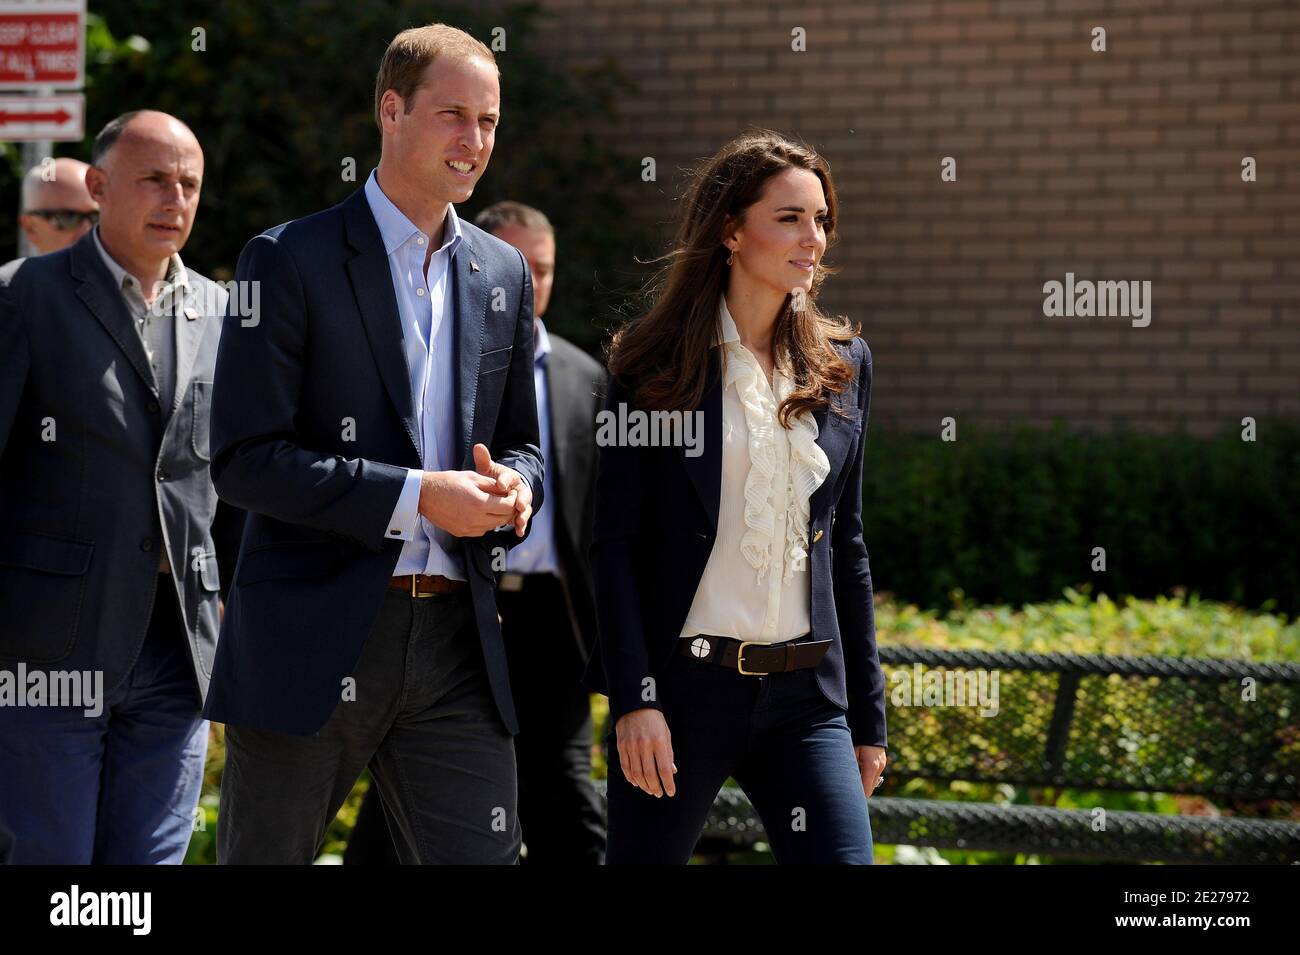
x=406 y=515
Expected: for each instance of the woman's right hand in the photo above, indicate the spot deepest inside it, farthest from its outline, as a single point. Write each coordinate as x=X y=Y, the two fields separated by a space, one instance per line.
x=645 y=751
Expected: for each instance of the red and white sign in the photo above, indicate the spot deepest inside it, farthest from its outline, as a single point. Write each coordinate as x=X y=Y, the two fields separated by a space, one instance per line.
x=58 y=119
x=42 y=44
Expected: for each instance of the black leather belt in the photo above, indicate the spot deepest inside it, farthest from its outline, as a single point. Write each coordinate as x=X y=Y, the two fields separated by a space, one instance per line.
x=752 y=658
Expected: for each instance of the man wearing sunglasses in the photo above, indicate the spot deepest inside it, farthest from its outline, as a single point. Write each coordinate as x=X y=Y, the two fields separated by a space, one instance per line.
x=57 y=208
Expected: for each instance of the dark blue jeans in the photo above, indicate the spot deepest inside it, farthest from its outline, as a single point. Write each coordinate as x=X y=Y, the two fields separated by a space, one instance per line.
x=120 y=787
x=787 y=746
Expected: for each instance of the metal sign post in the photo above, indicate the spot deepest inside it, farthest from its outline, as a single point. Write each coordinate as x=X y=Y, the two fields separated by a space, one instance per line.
x=42 y=50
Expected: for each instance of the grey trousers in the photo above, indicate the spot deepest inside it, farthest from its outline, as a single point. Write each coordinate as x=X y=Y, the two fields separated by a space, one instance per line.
x=421 y=717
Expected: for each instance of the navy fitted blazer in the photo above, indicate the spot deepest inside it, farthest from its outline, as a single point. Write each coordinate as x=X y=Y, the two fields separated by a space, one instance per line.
x=313 y=430
x=656 y=522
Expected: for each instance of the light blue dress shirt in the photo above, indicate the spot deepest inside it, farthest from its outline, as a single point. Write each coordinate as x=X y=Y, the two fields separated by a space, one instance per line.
x=426 y=309
x=537 y=554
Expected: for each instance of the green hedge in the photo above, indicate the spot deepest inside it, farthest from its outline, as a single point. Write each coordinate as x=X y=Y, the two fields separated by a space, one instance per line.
x=1012 y=517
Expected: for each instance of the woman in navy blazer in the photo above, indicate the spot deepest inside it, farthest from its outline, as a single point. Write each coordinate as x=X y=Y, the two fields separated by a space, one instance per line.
x=733 y=586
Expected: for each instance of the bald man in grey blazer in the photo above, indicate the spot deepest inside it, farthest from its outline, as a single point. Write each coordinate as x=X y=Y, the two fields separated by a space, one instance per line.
x=108 y=579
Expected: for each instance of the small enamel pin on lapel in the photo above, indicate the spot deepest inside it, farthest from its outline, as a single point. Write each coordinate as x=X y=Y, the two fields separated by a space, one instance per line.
x=191 y=314
x=473 y=265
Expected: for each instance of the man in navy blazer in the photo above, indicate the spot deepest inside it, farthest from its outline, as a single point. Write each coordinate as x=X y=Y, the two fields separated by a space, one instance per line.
x=376 y=417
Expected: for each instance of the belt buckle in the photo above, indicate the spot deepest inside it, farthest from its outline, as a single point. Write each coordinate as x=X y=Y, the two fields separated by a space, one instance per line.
x=415 y=593
x=740 y=659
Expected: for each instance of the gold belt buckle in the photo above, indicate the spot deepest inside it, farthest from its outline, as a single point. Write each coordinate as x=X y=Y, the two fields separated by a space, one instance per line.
x=740 y=659
x=414 y=592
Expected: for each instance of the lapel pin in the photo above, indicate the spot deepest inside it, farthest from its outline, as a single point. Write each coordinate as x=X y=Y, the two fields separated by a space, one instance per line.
x=817 y=536
x=191 y=314
x=473 y=265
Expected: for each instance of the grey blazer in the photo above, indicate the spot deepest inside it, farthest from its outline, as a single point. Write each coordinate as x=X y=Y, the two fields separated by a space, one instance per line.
x=95 y=476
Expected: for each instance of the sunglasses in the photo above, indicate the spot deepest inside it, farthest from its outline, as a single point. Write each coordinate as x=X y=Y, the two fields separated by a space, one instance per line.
x=64 y=219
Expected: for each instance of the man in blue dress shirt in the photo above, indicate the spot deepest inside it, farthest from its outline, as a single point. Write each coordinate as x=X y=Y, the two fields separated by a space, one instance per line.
x=376 y=417
x=545 y=597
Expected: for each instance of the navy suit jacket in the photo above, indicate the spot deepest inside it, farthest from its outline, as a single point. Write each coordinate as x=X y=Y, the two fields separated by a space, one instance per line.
x=313 y=429
x=656 y=522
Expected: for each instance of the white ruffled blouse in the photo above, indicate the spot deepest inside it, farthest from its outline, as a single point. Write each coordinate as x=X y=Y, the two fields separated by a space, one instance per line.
x=755 y=585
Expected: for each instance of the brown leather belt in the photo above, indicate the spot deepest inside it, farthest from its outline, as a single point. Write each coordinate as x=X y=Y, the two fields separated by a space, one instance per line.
x=426 y=585
x=752 y=658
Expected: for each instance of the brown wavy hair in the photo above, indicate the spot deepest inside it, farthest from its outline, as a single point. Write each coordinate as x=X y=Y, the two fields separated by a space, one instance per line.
x=665 y=356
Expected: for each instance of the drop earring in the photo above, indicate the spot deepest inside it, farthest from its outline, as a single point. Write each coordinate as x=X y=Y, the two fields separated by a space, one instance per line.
x=731 y=257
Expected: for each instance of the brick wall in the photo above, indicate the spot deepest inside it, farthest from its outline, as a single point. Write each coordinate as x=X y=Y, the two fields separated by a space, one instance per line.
x=1120 y=165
